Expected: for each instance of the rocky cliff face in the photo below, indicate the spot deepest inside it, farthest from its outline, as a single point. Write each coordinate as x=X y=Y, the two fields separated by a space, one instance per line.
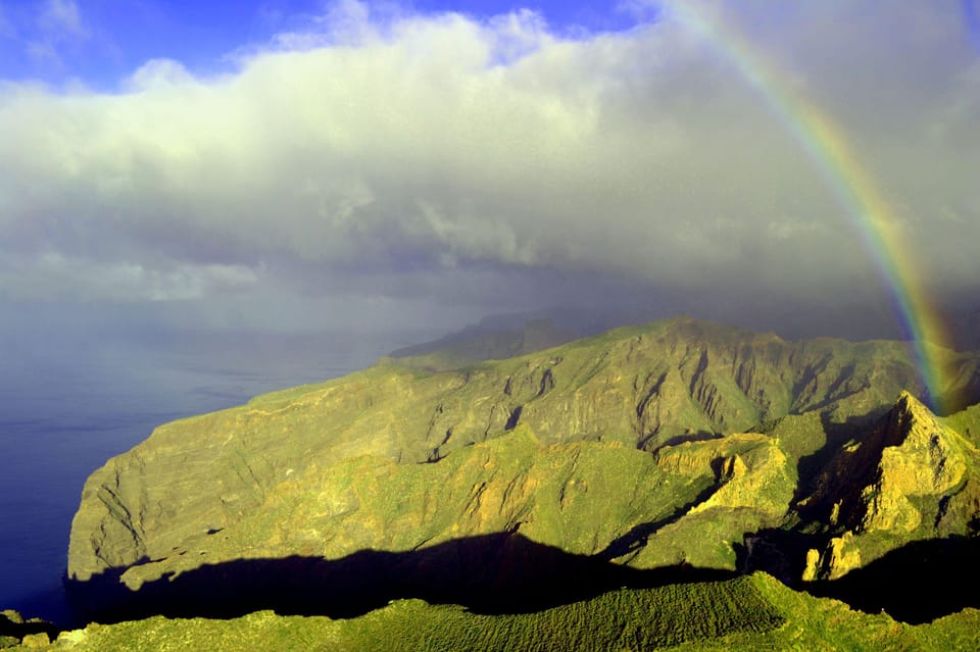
x=585 y=498
x=630 y=447
x=913 y=478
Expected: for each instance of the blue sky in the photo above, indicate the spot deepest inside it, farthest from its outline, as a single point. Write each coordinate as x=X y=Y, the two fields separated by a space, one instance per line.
x=100 y=42
x=272 y=164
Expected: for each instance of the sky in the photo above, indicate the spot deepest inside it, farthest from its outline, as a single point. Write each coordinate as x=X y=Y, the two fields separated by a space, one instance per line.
x=303 y=165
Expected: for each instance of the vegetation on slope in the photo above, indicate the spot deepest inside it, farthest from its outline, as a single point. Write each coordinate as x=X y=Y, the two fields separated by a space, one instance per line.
x=911 y=478
x=747 y=613
x=645 y=387
x=622 y=452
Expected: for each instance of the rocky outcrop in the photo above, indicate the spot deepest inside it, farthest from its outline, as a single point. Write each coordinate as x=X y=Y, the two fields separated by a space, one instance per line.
x=914 y=478
x=754 y=486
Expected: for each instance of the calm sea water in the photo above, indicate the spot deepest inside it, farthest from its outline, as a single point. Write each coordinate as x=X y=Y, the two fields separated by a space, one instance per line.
x=67 y=407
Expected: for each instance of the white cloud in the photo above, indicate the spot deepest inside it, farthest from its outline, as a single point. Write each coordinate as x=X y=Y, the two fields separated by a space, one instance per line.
x=157 y=74
x=370 y=146
x=59 y=24
x=61 y=19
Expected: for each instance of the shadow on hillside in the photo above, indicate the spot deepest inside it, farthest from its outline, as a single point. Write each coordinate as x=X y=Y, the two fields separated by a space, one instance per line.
x=636 y=539
x=17 y=628
x=700 y=435
x=916 y=583
x=780 y=553
x=491 y=574
x=810 y=468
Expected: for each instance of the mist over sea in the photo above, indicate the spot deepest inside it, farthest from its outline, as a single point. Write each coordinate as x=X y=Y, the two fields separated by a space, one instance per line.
x=68 y=404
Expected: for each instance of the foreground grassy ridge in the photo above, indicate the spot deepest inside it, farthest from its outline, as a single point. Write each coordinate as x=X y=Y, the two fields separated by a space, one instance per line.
x=747 y=613
x=623 y=619
x=814 y=624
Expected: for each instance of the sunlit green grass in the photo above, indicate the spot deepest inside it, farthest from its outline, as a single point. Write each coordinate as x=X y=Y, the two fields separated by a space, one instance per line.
x=747 y=613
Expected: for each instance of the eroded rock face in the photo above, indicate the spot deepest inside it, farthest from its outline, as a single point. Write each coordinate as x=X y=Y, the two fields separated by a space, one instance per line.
x=755 y=486
x=914 y=478
x=579 y=497
x=613 y=446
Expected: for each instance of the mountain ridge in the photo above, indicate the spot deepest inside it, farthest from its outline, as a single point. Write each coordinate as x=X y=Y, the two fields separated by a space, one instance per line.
x=636 y=446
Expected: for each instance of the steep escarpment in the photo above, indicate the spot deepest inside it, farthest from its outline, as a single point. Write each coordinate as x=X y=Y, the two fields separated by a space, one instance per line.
x=648 y=447
x=592 y=500
x=912 y=478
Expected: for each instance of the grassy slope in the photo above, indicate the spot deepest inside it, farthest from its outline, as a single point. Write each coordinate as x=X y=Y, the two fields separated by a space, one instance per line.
x=578 y=497
x=638 y=386
x=966 y=423
x=747 y=613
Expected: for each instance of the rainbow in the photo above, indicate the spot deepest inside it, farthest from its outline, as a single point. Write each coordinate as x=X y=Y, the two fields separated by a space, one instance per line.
x=826 y=145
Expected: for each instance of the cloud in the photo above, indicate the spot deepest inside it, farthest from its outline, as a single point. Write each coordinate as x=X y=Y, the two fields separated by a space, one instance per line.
x=57 y=277
x=58 y=25
x=158 y=74
x=373 y=151
x=62 y=20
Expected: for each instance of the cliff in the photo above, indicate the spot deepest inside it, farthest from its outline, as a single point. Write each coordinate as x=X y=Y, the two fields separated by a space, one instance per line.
x=913 y=478
x=665 y=446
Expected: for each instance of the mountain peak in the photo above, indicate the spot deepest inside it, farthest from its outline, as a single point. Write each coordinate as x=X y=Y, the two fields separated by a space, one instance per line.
x=909 y=415
x=909 y=480
x=908 y=402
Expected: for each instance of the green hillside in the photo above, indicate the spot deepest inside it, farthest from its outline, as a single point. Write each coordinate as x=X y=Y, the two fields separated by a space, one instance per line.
x=675 y=452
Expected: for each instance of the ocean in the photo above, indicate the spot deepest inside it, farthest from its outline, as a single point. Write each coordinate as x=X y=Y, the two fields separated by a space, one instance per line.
x=68 y=406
